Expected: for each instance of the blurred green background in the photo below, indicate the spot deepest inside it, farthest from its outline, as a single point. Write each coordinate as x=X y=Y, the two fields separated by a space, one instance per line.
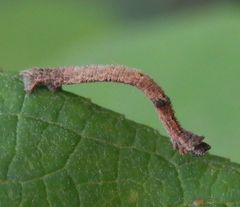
x=191 y=48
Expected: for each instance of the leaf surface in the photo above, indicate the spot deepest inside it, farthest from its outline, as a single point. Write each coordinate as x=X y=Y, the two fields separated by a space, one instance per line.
x=62 y=150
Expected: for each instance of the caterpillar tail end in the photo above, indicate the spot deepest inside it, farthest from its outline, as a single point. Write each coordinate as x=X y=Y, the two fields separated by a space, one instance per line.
x=201 y=149
x=188 y=142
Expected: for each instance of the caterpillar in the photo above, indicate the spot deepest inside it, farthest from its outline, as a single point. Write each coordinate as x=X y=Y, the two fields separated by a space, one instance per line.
x=53 y=78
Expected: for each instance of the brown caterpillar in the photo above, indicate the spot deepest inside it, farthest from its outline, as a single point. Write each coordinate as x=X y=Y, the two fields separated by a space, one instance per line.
x=53 y=78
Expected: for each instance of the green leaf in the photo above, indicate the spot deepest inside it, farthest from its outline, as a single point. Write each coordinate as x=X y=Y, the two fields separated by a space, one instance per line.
x=62 y=150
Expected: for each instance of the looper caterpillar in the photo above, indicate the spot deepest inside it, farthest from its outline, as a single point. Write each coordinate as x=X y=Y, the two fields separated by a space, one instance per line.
x=53 y=78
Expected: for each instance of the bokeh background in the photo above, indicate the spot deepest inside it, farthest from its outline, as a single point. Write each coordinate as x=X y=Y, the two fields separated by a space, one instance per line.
x=190 y=47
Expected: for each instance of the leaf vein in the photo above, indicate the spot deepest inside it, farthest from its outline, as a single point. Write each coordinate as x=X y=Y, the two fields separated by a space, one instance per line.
x=17 y=136
x=46 y=190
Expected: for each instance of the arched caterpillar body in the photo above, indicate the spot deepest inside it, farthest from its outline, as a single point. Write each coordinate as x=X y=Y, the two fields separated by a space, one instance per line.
x=53 y=78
